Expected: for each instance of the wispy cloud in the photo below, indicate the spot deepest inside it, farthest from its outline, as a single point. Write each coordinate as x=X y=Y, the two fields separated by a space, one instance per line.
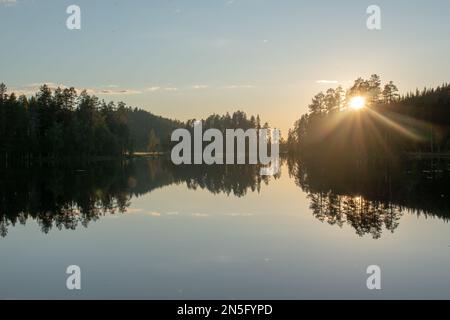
x=327 y=81
x=200 y=215
x=239 y=86
x=114 y=92
x=239 y=214
x=153 y=89
x=7 y=3
x=200 y=86
x=33 y=88
x=154 y=214
x=113 y=89
x=157 y=214
x=133 y=210
x=160 y=88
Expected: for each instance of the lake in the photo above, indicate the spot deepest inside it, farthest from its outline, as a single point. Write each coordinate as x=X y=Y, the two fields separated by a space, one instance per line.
x=146 y=229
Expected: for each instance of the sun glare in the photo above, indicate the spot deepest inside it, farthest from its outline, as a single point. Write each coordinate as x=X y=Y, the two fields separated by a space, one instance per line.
x=357 y=103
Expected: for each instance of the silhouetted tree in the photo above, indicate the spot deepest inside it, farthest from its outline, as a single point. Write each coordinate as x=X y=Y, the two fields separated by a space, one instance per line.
x=390 y=125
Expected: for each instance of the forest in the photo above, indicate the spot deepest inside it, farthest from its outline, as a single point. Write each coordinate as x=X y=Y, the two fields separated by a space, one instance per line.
x=60 y=124
x=384 y=125
x=63 y=124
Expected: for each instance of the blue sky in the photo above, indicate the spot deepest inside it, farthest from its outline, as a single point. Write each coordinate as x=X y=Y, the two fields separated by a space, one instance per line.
x=187 y=59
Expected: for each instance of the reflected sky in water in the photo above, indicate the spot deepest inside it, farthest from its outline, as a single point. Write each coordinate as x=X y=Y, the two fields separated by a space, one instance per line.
x=180 y=242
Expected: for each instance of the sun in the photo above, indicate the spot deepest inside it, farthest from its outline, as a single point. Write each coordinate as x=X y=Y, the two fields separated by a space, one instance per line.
x=357 y=103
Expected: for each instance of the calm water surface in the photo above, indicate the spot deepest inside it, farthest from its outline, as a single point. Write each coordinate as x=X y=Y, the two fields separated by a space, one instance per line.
x=148 y=230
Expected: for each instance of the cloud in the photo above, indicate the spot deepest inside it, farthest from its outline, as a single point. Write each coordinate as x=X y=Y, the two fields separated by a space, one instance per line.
x=159 y=88
x=200 y=215
x=239 y=214
x=133 y=210
x=153 y=89
x=239 y=86
x=114 y=92
x=7 y=3
x=154 y=214
x=327 y=81
x=33 y=88
x=160 y=214
x=200 y=86
x=113 y=89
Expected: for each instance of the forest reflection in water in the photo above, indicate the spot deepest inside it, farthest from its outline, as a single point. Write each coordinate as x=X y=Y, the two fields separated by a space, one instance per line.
x=372 y=195
x=369 y=196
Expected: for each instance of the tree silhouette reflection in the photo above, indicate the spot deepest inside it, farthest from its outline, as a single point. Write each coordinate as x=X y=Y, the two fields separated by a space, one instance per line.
x=373 y=196
x=72 y=196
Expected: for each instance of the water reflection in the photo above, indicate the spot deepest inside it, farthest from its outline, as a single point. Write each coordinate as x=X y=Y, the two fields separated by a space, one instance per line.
x=370 y=197
x=373 y=196
x=72 y=196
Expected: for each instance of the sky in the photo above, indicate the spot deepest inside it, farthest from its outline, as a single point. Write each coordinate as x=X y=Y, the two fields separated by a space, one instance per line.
x=188 y=59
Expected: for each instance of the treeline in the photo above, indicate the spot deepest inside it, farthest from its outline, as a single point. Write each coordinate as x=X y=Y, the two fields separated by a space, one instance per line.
x=62 y=124
x=69 y=196
x=389 y=125
x=58 y=124
x=237 y=120
x=148 y=132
